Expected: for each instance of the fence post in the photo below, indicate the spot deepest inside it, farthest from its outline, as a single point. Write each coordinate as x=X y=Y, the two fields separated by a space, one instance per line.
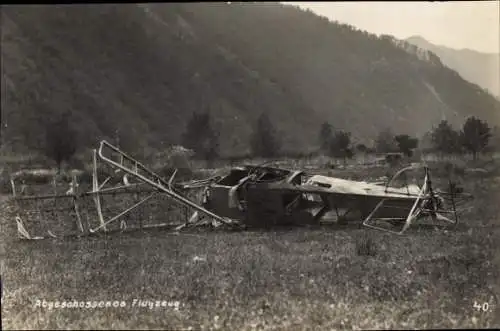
x=95 y=189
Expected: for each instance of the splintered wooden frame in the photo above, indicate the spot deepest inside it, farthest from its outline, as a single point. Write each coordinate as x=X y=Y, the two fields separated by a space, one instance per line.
x=157 y=186
x=414 y=205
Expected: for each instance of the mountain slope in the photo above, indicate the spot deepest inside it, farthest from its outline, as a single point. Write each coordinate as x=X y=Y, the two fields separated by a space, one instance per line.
x=140 y=71
x=354 y=79
x=480 y=68
x=119 y=68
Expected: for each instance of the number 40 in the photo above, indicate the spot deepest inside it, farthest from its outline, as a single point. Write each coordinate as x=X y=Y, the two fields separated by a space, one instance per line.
x=484 y=307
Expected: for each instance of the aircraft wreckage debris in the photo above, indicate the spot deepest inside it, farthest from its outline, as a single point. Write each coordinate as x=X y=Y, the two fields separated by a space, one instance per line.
x=247 y=196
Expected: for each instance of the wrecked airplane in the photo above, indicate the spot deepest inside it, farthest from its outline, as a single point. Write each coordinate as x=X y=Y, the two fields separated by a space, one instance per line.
x=257 y=196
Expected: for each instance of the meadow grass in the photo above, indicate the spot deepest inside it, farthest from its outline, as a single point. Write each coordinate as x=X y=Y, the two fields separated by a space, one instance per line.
x=281 y=279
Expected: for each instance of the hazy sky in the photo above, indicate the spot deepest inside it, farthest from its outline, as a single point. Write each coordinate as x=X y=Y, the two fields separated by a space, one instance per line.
x=467 y=24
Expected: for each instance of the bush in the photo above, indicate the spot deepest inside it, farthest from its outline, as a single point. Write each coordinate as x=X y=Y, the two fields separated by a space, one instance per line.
x=201 y=137
x=176 y=157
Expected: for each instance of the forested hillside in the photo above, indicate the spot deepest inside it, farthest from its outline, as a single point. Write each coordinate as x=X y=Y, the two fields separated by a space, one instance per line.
x=139 y=72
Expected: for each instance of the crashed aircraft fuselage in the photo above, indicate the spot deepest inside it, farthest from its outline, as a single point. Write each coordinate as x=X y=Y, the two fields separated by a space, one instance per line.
x=266 y=196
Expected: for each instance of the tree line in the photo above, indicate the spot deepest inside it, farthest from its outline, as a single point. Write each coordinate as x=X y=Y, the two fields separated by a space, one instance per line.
x=200 y=136
x=473 y=138
x=203 y=139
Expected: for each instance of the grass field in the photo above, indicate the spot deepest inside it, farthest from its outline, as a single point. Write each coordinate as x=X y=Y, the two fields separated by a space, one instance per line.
x=283 y=279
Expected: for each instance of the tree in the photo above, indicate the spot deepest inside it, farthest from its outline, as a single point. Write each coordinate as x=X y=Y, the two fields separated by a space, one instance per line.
x=445 y=139
x=340 y=145
x=475 y=135
x=406 y=144
x=60 y=139
x=201 y=137
x=131 y=140
x=264 y=140
x=385 y=142
x=325 y=136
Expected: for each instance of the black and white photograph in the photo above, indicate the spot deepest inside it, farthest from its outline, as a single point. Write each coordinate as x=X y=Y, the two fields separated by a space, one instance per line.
x=250 y=166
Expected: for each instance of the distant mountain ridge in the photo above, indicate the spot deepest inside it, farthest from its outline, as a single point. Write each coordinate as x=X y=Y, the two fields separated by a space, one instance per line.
x=480 y=68
x=139 y=71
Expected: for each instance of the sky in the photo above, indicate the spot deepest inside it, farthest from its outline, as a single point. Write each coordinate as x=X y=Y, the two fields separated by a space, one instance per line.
x=456 y=24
